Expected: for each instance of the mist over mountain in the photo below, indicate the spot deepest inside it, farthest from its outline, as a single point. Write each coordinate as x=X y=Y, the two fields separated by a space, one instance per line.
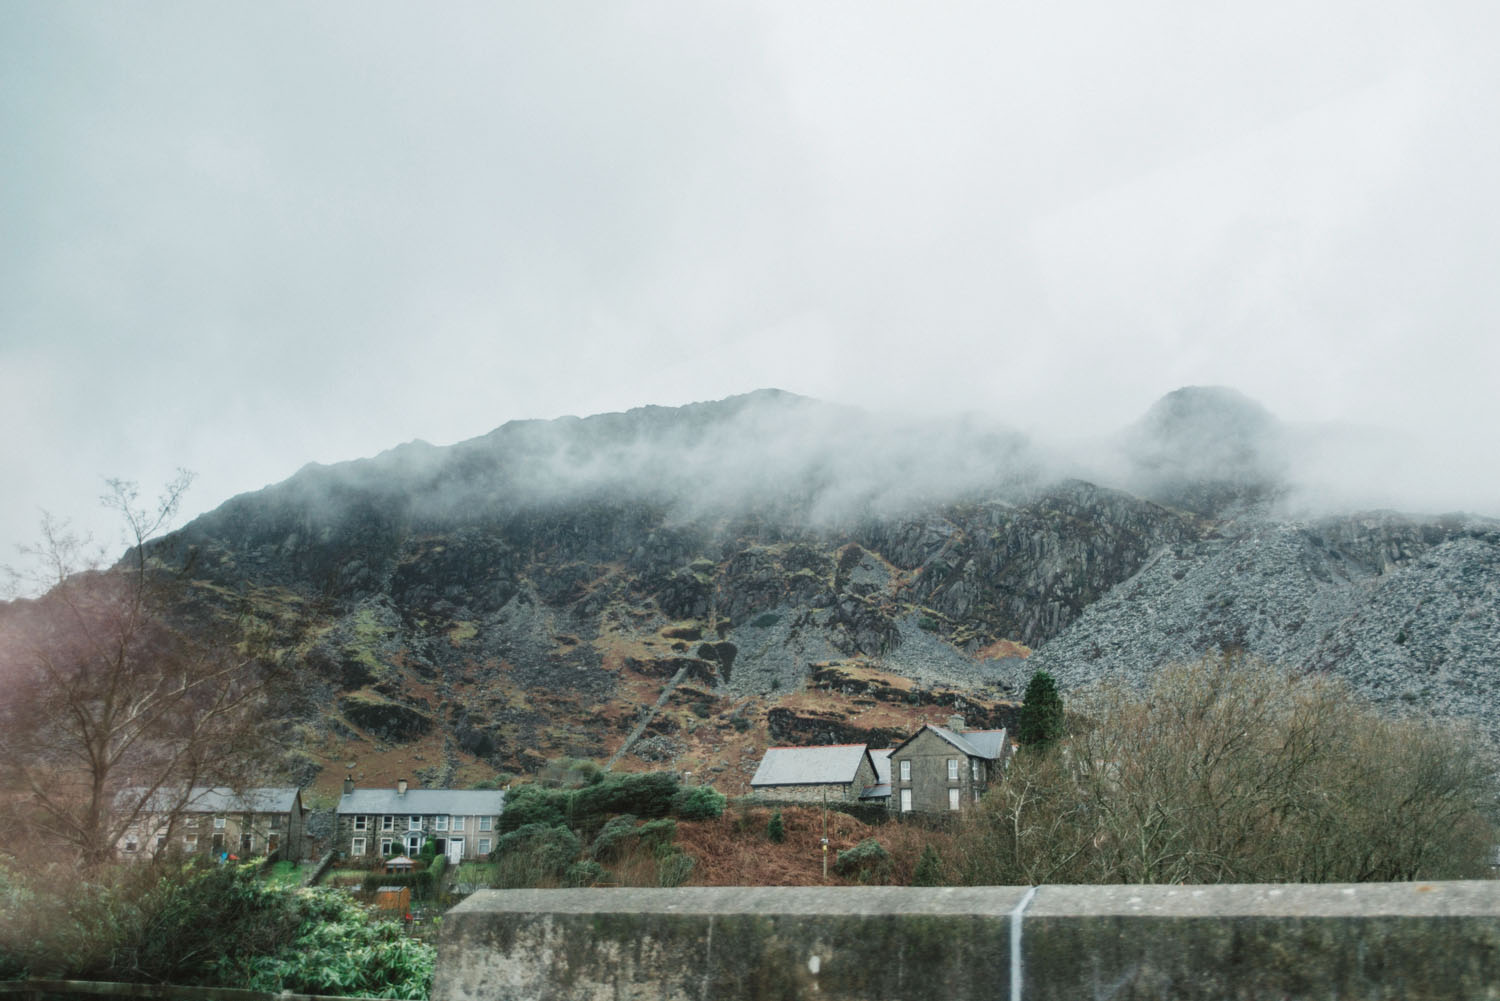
x=689 y=584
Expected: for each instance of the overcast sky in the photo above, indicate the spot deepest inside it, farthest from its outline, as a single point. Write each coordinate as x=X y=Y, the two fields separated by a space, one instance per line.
x=239 y=237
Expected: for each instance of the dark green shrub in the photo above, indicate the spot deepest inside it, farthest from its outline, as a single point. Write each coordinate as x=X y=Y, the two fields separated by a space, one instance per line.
x=765 y=620
x=776 y=830
x=535 y=805
x=697 y=803
x=674 y=869
x=929 y=871
x=614 y=837
x=740 y=723
x=867 y=861
x=541 y=851
x=645 y=794
x=656 y=835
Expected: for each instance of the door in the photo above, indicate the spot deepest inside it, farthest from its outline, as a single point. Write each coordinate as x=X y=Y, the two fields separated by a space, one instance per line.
x=455 y=850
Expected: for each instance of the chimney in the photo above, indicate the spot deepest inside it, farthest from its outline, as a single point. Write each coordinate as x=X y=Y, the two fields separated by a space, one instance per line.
x=348 y=783
x=400 y=787
x=956 y=723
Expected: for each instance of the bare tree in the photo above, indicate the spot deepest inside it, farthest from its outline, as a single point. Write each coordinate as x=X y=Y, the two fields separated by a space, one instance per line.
x=1231 y=770
x=108 y=711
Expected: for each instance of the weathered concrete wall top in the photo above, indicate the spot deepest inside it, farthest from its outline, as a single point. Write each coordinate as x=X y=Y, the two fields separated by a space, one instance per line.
x=1409 y=940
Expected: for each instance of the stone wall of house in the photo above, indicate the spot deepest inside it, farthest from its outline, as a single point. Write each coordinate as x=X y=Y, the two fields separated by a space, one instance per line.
x=1053 y=943
x=929 y=755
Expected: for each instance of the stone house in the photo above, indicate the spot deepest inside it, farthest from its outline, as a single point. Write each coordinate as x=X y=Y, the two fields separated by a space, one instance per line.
x=384 y=822
x=217 y=821
x=813 y=774
x=938 y=769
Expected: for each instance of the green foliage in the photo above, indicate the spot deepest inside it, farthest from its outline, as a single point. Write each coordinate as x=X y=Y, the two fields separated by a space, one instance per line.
x=928 y=624
x=200 y=924
x=674 y=869
x=776 y=830
x=645 y=794
x=612 y=839
x=1041 y=722
x=536 y=852
x=429 y=850
x=740 y=723
x=533 y=804
x=585 y=873
x=420 y=881
x=698 y=803
x=765 y=620
x=929 y=871
x=867 y=861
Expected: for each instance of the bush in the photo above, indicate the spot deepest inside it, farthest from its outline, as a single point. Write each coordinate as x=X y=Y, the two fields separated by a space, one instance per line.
x=535 y=805
x=867 y=861
x=697 y=803
x=536 y=852
x=586 y=873
x=1231 y=770
x=776 y=830
x=929 y=871
x=614 y=837
x=674 y=869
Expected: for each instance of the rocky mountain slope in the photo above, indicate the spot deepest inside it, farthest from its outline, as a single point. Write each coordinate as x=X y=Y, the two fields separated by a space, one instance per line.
x=689 y=585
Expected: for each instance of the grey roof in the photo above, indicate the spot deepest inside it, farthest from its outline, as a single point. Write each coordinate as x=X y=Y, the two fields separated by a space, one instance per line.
x=879 y=791
x=989 y=744
x=834 y=764
x=212 y=799
x=882 y=761
x=425 y=802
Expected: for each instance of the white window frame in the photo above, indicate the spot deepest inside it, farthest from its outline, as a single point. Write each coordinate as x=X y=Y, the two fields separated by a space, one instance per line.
x=413 y=823
x=388 y=822
x=247 y=843
x=484 y=846
x=413 y=845
x=218 y=823
x=190 y=842
x=974 y=768
x=386 y=846
x=161 y=842
x=132 y=844
x=952 y=769
x=458 y=824
x=905 y=769
x=357 y=846
x=361 y=822
x=440 y=822
x=486 y=823
x=906 y=801
x=953 y=799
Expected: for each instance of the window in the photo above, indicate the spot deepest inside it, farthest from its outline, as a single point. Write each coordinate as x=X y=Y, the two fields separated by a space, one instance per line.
x=275 y=822
x=130 y=843
x=905 y=799
x=458 y=823
x=484 y=846
x=190 y=842
x=387 y=847
x=388 y=823
x=952 y=769
x=906 y=770
x=192 y=820
x=247 y=844
x=413 y=823
x=413 y=844
x=361 y=823
x=953 y=799
x=976 y=794
x=357 y=846
x=486 y=823
x=218 y=823
x=161 y=842
x=974 y=768
x=440 y=823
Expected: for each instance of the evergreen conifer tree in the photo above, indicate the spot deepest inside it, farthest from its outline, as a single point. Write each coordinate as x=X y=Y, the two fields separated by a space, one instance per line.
x=929 y=871
x=775 y=830
x=1041 y=721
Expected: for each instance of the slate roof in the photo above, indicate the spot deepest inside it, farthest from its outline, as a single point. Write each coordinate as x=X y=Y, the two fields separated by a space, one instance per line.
x=835 y=764
x=880 y=791
x=988 y=744
x=882 y=762
x=424 y=802
x=213 y=799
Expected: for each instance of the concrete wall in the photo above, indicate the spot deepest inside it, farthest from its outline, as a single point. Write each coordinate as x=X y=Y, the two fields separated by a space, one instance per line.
x=1402 y=940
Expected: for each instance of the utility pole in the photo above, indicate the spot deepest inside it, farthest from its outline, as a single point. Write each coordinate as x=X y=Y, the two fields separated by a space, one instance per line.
x=825 y=834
